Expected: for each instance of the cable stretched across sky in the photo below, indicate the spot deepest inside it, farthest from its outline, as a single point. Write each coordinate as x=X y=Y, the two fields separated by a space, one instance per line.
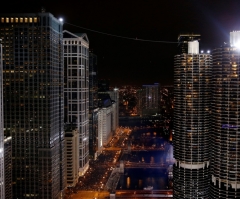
x=119 y=36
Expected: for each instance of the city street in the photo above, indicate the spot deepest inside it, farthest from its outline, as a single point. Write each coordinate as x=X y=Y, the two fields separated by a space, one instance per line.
x=92 y=184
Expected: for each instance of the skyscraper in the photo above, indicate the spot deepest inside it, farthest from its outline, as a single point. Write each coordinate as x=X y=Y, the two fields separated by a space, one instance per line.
x=93 y=81
x=225 y=137
x=2 y=183
x=93 y=105
x=192 y=73
x=76 y=91
x=150 y=99
x=8 y=167
x=33 y=102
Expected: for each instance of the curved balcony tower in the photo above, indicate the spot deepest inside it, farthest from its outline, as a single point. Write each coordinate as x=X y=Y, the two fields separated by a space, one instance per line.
x=225 y=138
x=192 y=74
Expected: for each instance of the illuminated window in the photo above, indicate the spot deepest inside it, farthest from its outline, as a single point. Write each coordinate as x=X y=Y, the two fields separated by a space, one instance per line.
x=12 y=20
x=30 y=20
x=7 y=20
x=21 y=20
x=25 y=20
x=2 y=20
x=16 y=20
x=35 y=19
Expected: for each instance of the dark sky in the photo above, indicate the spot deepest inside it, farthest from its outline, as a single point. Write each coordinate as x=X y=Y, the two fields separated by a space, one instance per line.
x=134 y=62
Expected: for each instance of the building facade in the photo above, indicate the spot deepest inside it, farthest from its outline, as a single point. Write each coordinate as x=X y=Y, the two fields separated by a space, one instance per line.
x=104 y=125
x=93 y=106
x=76 y=91
x=225 y=150
x=192 y=95
x=150 y=99
x=93 y=81
x=2 y=184
x=33 y=102
x=95 y=140
x=72 y=155
x=8 y=167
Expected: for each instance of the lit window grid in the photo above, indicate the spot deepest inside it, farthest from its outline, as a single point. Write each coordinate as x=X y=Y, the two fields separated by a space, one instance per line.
x=192 y=97
x=77 y=94
x=22 y=67
x=225 y=161
x=2 y=181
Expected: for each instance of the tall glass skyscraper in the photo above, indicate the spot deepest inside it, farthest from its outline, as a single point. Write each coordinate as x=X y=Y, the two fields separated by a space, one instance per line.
x=33 y=102
x=225 y=137
x=76 y=91
x=192 y=74
x=2 y=181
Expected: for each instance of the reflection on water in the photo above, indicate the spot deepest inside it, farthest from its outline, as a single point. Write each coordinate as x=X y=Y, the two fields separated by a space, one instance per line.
x=128 y=182
x=140 y=178
x=140 y=183
x=152 y=159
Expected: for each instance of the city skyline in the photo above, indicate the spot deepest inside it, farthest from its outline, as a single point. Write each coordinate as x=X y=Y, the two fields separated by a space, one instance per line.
x=119 y=59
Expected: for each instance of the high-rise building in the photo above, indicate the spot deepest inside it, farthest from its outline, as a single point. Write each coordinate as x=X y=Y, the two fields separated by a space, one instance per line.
x=8 y=167
x=105 y=125
x=139 y=101
x=33 y=102
x=114 y=99
x=93 y=106
x=183 y=40
x=95 y=143
x=225 y=137
x=150 y=99
x=2 y=183
x=76 y=91
x=93 y=81
x=72 y=155
x=114 y=95
x=192 y=75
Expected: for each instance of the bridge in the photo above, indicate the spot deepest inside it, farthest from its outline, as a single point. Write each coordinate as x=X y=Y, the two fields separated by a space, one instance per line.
x=163 y=194
x=147 y=149
x=145 y=165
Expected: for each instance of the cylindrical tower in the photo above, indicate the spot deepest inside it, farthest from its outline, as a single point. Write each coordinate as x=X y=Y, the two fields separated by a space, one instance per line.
x=225 y=138
x=192 y=74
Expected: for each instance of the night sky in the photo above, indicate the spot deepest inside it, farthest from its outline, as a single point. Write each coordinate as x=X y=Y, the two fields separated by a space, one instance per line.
x=135 y=62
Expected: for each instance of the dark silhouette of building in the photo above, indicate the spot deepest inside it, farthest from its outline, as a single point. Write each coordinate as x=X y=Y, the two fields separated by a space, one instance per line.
x=150 y=99
x=93 y=81
x=93 y=104
x=103 y=85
